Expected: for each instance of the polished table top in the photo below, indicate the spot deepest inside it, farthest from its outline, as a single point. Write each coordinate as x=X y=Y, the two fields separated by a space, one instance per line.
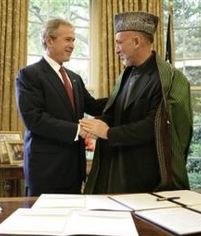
x=145 y=228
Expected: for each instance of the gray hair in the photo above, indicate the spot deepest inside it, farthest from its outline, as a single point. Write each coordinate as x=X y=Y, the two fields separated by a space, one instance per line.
x=50 y=29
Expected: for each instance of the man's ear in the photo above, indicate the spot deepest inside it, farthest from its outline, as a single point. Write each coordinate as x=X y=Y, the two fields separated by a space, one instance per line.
x=48 y=41
x=136 y=41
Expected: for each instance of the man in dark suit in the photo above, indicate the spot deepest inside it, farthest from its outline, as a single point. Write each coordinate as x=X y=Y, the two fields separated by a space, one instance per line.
x=145 y=130
x=51 y=101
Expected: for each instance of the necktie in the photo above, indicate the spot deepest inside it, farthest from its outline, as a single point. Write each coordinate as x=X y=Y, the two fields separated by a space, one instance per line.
x=67 y=86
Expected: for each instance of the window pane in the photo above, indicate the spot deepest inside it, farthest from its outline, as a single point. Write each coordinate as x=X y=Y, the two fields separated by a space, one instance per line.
x=81 y=67
x=58 y=9
x=194 y=159
x=81 y=43
x=192 y=13
x=196 y=103
x=80 y=12
x=193 y=43
x=32 y=59
x=37 y=10
x=179 y=42
x=188 y=43
x=77 y=12
x=34 y=34
x=192 y=70
x=186 y=13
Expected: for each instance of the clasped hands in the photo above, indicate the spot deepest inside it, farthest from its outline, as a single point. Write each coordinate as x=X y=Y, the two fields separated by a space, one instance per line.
x=93 y=128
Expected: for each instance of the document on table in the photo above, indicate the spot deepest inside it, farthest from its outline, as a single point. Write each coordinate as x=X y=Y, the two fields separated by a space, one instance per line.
x=196 y=208
x=177 y=220
x=185 y=197
x=102 y=202
x=108 y=223
x=36 y=222
x=141 y=201
x=60 y=200
x=90 y=202
x=66 y=222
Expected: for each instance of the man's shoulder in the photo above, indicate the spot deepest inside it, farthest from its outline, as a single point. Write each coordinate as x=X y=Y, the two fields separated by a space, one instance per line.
x=35 y=66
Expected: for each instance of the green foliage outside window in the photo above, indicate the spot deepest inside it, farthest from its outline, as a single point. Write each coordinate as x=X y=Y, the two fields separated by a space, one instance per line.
x=75 y=11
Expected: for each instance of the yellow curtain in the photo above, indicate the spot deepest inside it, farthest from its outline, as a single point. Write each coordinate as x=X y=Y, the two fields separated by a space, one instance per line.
x=13 y=55
x=110 y=65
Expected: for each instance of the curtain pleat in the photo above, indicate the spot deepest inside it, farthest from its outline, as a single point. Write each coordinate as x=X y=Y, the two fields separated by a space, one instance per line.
x=110 y=66
x=13 y=55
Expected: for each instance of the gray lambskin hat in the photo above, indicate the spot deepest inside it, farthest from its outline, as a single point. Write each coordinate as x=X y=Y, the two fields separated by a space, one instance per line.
x=136 y=21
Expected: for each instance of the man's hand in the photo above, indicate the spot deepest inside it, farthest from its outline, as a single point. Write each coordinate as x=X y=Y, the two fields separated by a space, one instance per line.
x=85 y=135
x=95 y=127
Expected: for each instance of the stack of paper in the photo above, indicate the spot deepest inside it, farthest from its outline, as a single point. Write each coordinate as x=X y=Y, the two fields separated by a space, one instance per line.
x=66 y=222
x=63 y=214
x=103 y=202
x=35 y=222
x=101 y=223
x=177 y=220
x=90 y=202
x=142 y=201
x=196 y=208
x=184 y=197
x=74 y=201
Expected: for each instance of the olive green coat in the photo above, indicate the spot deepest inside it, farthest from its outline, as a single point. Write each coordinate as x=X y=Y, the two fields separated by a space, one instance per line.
x=172 y=132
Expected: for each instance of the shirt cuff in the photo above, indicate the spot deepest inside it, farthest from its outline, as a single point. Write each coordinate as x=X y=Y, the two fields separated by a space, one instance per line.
x=77 y=134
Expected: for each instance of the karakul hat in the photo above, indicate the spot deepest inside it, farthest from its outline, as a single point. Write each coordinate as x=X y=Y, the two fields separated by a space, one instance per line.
x=136 y=21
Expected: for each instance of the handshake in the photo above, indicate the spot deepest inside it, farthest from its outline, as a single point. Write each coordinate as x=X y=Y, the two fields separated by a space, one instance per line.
x=93 y=128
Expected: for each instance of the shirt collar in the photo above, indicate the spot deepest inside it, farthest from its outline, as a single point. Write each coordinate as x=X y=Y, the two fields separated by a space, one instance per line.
x=52 y=63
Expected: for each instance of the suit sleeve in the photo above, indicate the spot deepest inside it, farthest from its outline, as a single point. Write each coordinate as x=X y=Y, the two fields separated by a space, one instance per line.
x=32 y=106
x=92 y=106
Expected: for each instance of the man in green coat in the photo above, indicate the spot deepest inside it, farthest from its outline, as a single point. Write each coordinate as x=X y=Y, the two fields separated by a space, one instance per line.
x=146 y=127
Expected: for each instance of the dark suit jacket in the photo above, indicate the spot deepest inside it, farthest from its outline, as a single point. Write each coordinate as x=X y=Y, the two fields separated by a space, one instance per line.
x=51 y=156
x=127 y=161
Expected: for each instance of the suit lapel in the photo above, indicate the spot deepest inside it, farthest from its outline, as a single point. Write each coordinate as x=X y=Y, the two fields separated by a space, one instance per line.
x=55 y=81
x=136 y=90
x=138 y=87
x=119 y=84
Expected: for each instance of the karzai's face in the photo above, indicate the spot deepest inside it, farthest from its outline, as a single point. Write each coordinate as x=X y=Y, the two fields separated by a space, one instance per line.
x=126 y=47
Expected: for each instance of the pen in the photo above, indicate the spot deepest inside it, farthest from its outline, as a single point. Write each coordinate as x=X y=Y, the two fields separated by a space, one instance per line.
x=167 y=198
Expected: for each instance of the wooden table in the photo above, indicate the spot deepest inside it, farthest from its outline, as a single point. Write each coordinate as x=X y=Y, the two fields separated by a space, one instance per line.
x=10 y=178
x=144 y=227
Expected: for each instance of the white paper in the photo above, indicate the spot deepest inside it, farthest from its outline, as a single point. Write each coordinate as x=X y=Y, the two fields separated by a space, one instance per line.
x=196 y=207
x=65 y=222
x=102 y=202
x=186 y=197
x=35 y=222
x=178 y=220
x=142 y=201
x=101 y=223
x=90 y=202
x=60 y=201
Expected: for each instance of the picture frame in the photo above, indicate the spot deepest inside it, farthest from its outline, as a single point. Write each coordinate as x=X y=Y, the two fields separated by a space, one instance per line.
x=7 y=135
x=15 y=151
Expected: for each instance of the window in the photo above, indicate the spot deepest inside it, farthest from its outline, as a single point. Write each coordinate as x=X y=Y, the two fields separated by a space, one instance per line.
x=187 y=32
x=75 y=11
